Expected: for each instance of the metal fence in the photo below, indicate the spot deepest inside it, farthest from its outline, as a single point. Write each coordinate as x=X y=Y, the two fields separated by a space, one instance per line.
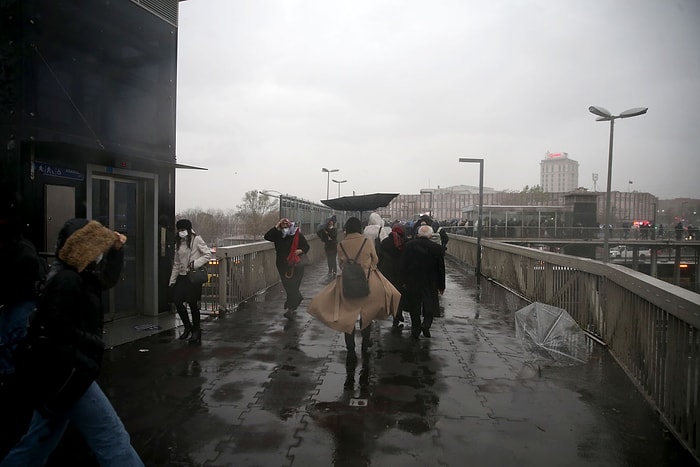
x=241 y=272
x=308 y=215
x=651 y=327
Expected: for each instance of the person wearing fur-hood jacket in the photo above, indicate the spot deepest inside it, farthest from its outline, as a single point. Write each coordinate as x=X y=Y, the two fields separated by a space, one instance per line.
x=62 y=355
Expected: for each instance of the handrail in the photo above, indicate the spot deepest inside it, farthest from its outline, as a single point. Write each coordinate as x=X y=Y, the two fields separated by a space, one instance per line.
x=652 y=328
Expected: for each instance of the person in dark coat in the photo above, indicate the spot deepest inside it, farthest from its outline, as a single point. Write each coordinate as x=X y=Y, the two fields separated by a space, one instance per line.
x=423 y=278
x=285 y=235
x=390 y=251
x=22 y=272
x=62 y=354
x=329 y=236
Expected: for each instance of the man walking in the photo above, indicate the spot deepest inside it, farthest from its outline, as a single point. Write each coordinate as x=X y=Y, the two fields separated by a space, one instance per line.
x=423 y=277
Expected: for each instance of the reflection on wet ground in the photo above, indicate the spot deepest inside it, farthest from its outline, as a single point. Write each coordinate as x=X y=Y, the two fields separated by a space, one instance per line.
x=262 y=390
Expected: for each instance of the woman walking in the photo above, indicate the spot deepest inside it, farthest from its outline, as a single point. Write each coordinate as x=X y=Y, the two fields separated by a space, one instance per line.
x=290 y=244
x=341 y=313
x=329 y=236
x=191 y=253
x=390 y=251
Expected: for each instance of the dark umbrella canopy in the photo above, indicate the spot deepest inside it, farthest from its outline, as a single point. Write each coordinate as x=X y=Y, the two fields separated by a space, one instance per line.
x=361 y=202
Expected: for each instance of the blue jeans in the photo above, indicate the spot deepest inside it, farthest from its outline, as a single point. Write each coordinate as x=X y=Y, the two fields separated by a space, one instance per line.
x=13 y=328
x=95 y=419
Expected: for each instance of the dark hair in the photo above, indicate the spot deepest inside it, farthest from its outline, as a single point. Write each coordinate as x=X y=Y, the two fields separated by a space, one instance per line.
x=184 y=224
x=353 y=225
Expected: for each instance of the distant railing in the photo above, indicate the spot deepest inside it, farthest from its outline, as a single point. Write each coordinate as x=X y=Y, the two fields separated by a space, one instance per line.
x=243 y=271
x=651 y=327
x=545 y=232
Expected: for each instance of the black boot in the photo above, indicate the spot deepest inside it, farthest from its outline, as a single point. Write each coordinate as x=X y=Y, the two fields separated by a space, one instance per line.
x=186 y=332
x=350 y=344
x=196 y=337
x=185 y=318
x=196 y=331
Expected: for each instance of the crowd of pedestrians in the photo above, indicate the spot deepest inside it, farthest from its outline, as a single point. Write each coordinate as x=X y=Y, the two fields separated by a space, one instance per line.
x=405 y=270
x=51 y=325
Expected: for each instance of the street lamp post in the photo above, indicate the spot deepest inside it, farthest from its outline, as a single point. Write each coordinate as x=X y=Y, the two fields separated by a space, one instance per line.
x=477 y=271
x=604 y=116
x=328 y=181
x=339 y=182
x=430 y=192
x=279 y=196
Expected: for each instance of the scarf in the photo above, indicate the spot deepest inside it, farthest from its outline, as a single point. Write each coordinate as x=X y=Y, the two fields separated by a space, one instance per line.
x=293 y=258
x=398 y=237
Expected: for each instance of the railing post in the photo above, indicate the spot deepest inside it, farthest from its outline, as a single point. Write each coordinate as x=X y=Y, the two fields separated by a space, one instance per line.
x=223 y=280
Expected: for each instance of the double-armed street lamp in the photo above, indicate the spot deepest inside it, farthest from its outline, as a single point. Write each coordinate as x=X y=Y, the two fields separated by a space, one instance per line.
x=605 y=116
x=430 y=192
x=339 y=182
x=328 y=181
x=279 y=196
x=477 y=271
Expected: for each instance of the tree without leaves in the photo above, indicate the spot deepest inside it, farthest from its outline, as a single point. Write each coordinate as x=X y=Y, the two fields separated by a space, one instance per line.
x=213 y=224
x=257 y=214
x=254 y=217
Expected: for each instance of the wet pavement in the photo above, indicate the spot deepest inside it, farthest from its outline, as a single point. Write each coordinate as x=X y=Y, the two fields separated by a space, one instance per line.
x=262 y=390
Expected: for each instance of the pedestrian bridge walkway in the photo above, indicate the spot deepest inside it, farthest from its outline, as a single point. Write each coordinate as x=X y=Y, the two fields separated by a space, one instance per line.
x=262 y=390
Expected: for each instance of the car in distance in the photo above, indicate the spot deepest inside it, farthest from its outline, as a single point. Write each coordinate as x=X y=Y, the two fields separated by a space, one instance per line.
x=626 y=252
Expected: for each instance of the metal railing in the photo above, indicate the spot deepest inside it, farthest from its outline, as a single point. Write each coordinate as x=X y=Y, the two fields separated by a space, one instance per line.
x=544 y=232
x=652 y=328
x=244 y=271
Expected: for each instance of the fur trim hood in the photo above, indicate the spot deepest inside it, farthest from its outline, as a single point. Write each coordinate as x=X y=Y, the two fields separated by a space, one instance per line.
x=80 y=241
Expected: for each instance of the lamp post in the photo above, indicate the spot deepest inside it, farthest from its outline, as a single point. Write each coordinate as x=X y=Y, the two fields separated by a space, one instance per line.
x=605 y=116
x=280 y=198
x=339 y=182
x=430 y=192
x=328 y=181
x=477 y=271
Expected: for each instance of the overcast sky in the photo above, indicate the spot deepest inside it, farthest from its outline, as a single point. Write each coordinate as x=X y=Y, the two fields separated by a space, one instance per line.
x=393 y=93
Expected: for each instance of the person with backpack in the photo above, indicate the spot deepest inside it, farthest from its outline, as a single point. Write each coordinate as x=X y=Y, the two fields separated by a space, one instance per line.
x=338 y=309
x=60 y=359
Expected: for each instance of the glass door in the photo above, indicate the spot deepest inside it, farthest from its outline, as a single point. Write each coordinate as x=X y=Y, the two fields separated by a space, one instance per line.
x=115 y=204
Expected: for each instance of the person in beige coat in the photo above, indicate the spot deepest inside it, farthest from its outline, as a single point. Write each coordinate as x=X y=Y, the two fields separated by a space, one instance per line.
x=340 y=313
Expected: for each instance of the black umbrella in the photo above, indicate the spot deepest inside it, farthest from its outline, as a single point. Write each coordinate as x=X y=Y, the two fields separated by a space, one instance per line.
x=361 y=202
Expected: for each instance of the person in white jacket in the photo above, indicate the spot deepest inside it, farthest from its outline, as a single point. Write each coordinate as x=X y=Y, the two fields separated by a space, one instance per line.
x=191 y=252
x=376 y=231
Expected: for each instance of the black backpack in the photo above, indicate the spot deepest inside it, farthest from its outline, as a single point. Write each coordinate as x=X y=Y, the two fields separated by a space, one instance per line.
x=355 y=283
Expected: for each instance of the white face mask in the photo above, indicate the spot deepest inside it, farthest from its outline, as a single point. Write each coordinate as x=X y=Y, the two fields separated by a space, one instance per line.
x=182 y=234
x=99 y=258
x=285 y=231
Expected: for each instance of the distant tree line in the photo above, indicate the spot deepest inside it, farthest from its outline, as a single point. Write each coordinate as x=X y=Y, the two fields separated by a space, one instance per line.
x=249 y=222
